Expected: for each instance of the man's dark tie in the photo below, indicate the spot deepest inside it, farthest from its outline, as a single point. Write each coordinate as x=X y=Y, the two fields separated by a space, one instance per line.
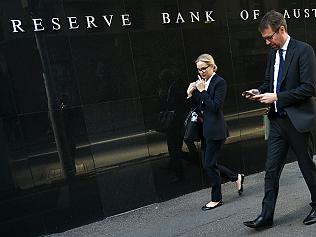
x=280 y=110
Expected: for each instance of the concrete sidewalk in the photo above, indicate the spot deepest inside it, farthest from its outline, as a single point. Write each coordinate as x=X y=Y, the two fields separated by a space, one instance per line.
x=183 y=216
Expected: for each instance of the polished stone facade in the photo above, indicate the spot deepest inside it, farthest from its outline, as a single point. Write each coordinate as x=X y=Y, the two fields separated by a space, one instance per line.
x=81 y=87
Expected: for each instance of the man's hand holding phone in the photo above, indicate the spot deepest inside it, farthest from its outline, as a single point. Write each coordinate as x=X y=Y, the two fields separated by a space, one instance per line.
x=250 y=94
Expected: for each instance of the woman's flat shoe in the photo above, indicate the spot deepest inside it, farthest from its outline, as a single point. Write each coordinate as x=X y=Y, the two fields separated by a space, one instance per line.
x=240 y=191
x=206 y=208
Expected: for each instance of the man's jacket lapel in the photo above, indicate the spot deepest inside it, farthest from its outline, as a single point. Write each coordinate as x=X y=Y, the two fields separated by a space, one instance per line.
x=288 y=58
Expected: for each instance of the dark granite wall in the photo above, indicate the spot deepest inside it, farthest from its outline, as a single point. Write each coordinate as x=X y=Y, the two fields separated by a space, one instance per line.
x=78 y=107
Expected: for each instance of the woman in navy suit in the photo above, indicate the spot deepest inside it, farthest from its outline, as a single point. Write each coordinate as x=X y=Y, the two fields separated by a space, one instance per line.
x=209 y=93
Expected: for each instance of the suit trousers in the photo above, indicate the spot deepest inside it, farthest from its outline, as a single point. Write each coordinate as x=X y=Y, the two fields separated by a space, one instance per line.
x=210 y=151
x=282 y=136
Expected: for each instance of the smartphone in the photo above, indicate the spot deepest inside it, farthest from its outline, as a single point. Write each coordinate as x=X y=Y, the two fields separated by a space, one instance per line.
x=245 y=93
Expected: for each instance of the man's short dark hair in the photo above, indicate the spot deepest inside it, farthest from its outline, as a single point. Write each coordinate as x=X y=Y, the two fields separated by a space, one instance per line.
x=273 y=19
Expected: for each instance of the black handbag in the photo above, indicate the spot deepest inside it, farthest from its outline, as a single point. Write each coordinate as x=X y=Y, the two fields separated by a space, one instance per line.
x=193 y=126
x=165 y=119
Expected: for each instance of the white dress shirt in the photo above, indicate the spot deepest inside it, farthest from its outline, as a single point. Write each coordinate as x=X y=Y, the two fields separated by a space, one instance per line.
x=207 y=83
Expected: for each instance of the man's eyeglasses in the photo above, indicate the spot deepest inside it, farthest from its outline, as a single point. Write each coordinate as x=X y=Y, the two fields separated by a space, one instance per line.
x=270 y=37
x=203 y=69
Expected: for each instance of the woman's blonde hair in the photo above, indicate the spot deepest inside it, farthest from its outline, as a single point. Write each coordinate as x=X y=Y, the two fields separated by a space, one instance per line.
x=208 y=59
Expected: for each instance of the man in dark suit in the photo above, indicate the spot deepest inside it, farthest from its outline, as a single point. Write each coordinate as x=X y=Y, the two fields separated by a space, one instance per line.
x=289 y=87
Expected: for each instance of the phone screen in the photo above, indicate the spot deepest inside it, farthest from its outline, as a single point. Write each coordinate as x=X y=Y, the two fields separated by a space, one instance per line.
x=245 y=93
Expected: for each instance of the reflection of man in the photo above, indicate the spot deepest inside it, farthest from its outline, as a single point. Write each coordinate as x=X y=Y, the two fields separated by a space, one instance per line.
x=288 y=87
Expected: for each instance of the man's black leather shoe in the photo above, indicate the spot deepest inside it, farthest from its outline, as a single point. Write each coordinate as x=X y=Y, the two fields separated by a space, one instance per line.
x=311 y=218
x=259 y=223
x=206 y=208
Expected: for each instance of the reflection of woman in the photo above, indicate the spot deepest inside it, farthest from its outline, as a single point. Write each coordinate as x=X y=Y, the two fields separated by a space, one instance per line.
x=209 y=94
x=171 y=93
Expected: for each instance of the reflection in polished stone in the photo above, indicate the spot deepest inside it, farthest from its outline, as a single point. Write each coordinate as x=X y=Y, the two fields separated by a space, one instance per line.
x=79 y=107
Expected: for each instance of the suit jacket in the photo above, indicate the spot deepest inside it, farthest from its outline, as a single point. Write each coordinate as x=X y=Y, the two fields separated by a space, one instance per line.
x=297 y=86
x=211 y=102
